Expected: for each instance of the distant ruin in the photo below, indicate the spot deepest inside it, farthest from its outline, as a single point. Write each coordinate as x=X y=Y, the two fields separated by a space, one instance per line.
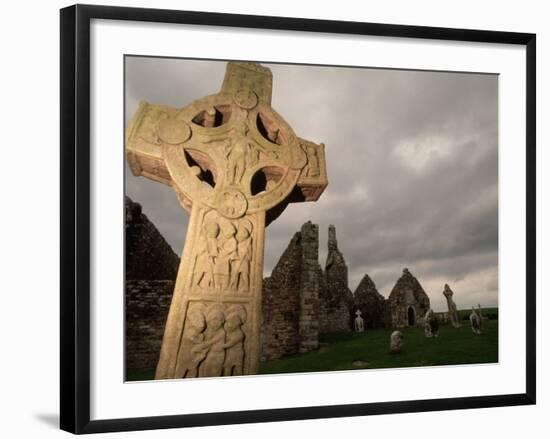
x=408 y=302
x=406 y=305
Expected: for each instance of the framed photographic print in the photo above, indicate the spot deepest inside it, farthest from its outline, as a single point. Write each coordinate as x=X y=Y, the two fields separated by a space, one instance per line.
x=269 y=218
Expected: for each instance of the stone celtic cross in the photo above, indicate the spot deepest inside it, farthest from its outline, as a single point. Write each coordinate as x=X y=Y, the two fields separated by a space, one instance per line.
x=234 y=165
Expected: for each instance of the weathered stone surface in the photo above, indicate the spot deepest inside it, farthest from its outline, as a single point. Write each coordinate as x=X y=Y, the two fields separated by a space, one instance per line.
x=308 y=323
x=407 y=302
x=371 y=303
x=234 y=164
x=336 y=299
x=396 y=342
x=148 y=255
x=451 y=305
x=290 y=303
x=297 y=304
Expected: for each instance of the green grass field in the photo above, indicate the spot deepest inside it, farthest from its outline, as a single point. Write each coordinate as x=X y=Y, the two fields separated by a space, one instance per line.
x=340 y=350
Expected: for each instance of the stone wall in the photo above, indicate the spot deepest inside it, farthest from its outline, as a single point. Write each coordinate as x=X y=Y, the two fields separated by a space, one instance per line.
x=308 y=322
x=281 y=304
x=290 y=301
x=151 y=269
x=147 y=304
x=300 y=300
x=336 y=299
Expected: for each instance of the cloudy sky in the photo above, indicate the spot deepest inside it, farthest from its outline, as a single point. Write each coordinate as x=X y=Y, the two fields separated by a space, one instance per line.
x=412 y=168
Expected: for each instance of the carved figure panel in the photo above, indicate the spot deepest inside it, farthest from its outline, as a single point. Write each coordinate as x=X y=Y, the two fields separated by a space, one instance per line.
x=235 y=317
x=224 y=255
x=212 y=343
x=191 y=353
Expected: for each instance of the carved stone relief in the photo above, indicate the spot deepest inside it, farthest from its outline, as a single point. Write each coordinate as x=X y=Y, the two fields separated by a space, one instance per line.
x=224 y=255
x=212 y=343
x=210 y=152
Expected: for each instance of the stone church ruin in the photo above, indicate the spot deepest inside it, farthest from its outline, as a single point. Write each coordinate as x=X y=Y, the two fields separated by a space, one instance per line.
x=407 y=303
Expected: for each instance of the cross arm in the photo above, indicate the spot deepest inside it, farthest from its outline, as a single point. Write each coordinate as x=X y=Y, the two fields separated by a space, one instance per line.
x=313 y=178
x=144 y=143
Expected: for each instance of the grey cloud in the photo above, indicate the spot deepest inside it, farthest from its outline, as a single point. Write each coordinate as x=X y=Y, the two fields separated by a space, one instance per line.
x=412 y=166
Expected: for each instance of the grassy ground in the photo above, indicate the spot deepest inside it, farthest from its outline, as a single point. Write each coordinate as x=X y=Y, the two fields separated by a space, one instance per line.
x=339 y=351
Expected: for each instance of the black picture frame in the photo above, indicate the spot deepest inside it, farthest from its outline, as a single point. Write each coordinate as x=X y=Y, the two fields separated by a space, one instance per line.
x=75 y=217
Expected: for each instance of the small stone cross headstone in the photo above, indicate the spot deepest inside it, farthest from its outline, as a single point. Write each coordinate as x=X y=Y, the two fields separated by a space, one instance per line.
x=359 y=323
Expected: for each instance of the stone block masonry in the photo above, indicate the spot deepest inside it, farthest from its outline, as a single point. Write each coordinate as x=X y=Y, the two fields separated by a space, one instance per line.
x=308 y=323
x=300 y=300
x=281 y=304
x=151 y=269
x=335 y=297
x=147 y=304
x=290 y=299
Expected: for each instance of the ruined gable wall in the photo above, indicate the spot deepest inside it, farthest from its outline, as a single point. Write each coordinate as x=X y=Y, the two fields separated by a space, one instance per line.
x=335 y=296
x=407 y=293
x=281 y=304
x=290 y=301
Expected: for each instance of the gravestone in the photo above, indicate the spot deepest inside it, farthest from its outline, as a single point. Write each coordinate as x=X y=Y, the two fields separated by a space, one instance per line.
x=431 y=324
x=475 y=322
x=481 y=318
x=235 y=165
x=396 y=342
x=359 y=325
x=451 y=305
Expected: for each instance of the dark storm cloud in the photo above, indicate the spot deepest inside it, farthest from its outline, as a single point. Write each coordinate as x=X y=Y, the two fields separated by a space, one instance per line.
x=412 y=167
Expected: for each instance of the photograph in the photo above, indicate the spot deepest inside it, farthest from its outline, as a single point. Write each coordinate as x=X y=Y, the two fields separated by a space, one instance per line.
x=296 y=218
